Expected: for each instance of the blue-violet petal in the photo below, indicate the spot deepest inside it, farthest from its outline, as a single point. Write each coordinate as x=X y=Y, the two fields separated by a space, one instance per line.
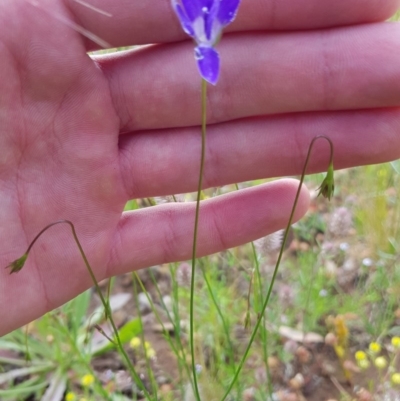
x=227 y=11
x=194 y=8
x=211 y=25
x=183 y=18
x=208 y=63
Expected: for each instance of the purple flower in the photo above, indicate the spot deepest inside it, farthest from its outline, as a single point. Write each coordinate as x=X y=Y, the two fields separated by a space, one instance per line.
x=204 y=21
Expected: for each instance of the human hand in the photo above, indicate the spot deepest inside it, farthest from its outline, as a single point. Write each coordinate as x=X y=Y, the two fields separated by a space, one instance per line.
x=80 y=136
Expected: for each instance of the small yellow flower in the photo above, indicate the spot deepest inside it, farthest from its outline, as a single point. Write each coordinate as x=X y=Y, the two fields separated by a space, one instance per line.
x=135 y=342
x=87 y=380
x=396 y=342
x=147 y=345
x=70 y=396
x=395 y=378
x=360 y=356
x=363 y=364
x=150 y=353
x=83 y=399
x=380 y=362
x=375 y=348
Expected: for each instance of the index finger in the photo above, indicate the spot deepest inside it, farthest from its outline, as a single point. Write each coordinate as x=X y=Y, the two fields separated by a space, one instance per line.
x=129 y=22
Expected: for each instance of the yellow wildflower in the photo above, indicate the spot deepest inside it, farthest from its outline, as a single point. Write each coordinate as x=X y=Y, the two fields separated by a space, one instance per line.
x=360 y=356
x=150 y=353
x=363 y=364
x=135 y=342
x=375 y=348
x=70 y=396
x=395 y=378
x=87 y=380
x=147 y=345
x=380 y=362
x=396 y=342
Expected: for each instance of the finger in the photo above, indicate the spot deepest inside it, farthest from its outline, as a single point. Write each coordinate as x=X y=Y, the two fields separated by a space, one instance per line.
x=164 y=233
x=347 y=68
x=167 y=162
x=126 y=22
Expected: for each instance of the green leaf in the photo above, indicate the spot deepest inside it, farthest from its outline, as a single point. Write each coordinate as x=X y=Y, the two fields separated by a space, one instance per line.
x=131 y=205
x=23 y=390
x=4 y=344
x=15 y=373
x=131 y=329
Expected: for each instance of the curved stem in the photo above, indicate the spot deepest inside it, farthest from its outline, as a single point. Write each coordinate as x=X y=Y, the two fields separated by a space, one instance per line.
x=264 y=307
x=103 y=300
x=225 y=324
x=196 y=226
x=264 y=332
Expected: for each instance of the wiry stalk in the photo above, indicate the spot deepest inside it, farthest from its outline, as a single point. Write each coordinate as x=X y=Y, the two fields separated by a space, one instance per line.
x=196 y=226
x=18 y=264
x=265 y=304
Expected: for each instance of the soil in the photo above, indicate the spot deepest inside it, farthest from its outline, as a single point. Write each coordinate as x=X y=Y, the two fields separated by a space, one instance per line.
x=321 y=371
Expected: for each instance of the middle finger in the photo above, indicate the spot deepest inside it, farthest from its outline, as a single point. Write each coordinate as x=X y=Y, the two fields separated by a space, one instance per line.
x=262 y=74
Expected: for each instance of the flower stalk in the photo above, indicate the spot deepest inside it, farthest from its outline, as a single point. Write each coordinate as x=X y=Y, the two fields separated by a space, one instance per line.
x=18 y=264
x=278 y=262
x=195 y=233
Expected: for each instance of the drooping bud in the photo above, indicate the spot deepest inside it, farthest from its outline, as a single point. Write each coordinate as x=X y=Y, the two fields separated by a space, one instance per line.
x=328 y=184
x=18 y=264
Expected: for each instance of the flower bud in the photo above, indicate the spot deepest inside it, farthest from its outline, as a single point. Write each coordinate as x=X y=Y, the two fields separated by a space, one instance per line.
x=328 y=184
x=380 y=362
x=18 y=264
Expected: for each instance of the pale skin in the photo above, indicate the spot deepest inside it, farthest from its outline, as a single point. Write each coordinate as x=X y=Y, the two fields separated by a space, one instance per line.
x=81 y=135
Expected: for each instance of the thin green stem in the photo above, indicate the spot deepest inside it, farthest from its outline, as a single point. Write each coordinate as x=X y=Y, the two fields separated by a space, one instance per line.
x=165 y=331
x=260 y=318
x=108 y=315
x=196 y=226
x=264 y=333
x=27 y=353
x=175 y=319
x=179 y=353
x=103 y=300
x=147 y=359
x=224 y=323
x=81 y=356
